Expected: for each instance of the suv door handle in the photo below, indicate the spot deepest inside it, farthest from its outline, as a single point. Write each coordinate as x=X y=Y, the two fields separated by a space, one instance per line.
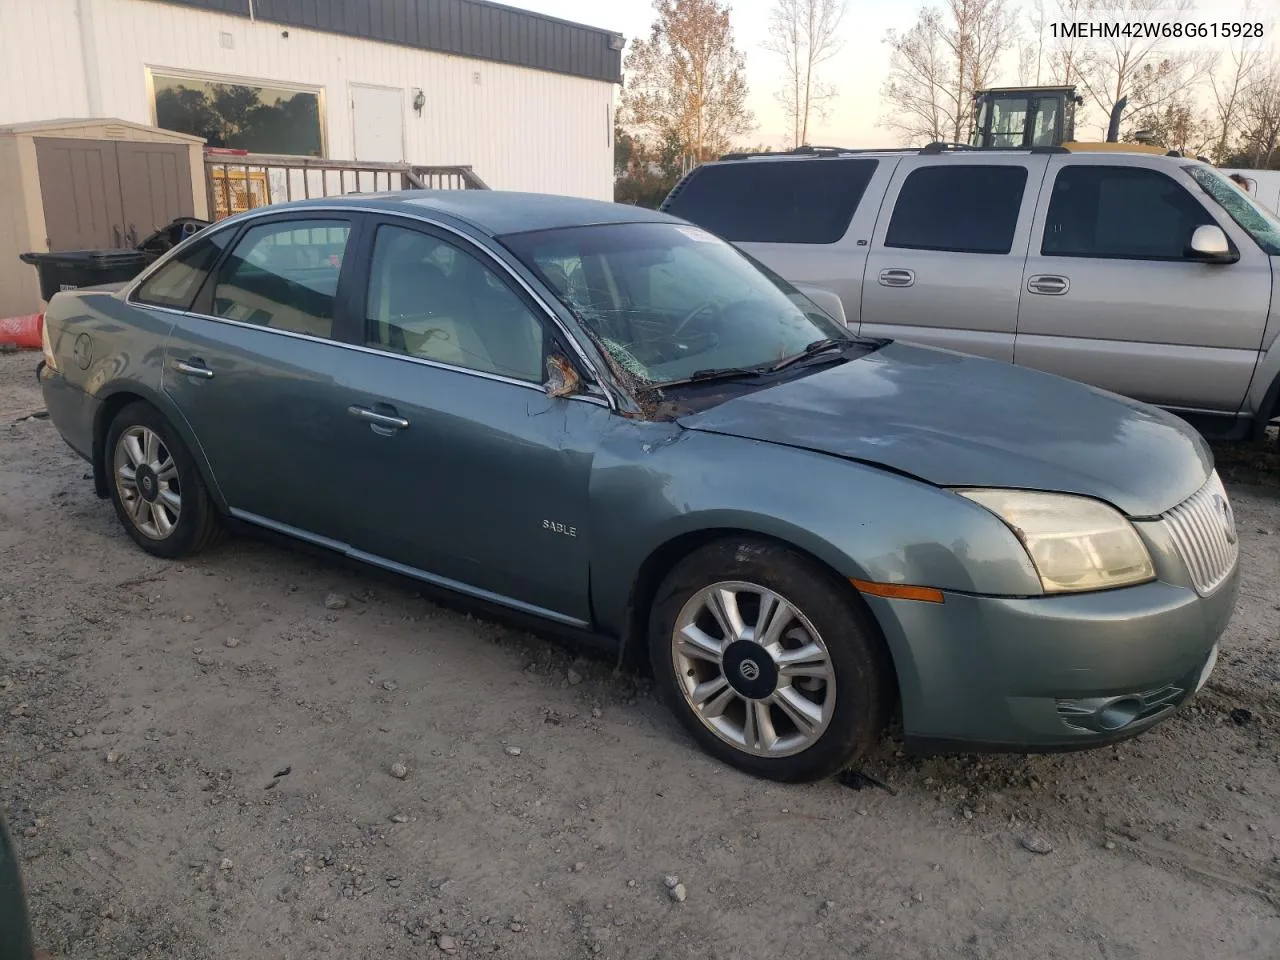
x=1049 y=285
x=897 y=277
x=388 y=421
x=193 y=367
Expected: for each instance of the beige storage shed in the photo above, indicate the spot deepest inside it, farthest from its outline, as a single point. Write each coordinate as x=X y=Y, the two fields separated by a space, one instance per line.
x=88 y=185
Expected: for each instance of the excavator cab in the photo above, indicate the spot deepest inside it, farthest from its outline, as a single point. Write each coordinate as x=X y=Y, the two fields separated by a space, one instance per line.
x=1022 y=117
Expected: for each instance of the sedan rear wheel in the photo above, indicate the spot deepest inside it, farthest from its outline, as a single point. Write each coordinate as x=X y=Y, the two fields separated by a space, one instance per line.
x=147 y=482
x=770 y=663
x=156 y=487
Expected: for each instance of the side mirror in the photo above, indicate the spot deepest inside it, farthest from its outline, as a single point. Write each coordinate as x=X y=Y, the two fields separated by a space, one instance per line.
x=828 y=301
x=562 y=379
x=1211 y=245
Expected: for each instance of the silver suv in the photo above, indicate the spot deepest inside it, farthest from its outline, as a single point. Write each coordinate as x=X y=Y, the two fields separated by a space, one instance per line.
x=1151 y=276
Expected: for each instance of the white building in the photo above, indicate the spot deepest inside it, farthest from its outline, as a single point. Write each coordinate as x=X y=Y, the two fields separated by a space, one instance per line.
x=525 y=100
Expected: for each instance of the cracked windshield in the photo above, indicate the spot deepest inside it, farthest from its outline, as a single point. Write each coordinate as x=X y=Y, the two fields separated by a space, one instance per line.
x=670 y=302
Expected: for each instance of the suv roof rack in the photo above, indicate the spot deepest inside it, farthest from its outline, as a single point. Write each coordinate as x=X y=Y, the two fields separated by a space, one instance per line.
x=941 y=146
x=932 y=149
x=809 y=150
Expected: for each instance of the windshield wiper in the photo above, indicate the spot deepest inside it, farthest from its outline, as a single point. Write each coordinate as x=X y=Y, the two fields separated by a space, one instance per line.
x=818 y=346
x=713 y=373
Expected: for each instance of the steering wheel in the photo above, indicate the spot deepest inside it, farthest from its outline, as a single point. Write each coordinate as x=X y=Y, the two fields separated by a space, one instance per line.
x=700 y=308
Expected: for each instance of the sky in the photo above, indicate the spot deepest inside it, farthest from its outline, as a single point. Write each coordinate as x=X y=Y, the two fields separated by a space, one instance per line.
x=858 y=71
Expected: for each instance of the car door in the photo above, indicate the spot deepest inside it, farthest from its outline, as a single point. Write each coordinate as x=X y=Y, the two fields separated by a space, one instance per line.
x=461 y=467
x=251 y=368
x=1112 y=298
x=946 y=258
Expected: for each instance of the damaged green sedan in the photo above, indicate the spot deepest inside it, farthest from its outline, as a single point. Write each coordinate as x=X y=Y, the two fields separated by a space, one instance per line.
x=611 y=421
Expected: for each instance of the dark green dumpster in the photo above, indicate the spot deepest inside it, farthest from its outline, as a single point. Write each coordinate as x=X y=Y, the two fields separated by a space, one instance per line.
x=73 y=269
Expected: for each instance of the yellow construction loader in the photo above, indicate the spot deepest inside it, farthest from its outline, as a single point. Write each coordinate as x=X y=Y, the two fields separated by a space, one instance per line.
x=1045 y=117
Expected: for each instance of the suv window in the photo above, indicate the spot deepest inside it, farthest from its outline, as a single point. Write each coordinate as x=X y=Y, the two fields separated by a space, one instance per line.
x=175 y=284
x=969 y=208
x=431 y=299
x=1120 y=213
x=774 y=201
x=284 y=275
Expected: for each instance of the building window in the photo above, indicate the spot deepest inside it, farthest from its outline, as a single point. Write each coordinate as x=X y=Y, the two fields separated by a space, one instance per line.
x=245 y=116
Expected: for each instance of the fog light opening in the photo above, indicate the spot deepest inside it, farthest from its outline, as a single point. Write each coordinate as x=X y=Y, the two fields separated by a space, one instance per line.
x=1119 y=714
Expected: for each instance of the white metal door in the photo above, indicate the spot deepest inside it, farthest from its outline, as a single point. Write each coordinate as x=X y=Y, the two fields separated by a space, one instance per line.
x=377 y=119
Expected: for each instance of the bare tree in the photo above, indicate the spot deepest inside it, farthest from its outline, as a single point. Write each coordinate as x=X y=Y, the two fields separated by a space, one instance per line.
x=1180 y=124
x=1031 y=53
x=804 y=33
x=1259 y=118
x=1067 y=54
x=687 y=83
x=1144 y=69
x=936 y=66
x=1230 y=81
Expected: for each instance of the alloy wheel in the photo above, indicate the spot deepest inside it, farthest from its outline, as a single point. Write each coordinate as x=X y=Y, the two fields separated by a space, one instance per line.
x=753 y=669
x=146 y=477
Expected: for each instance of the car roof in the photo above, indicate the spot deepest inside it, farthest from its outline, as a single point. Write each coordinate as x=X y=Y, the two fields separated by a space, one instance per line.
x=493 y=212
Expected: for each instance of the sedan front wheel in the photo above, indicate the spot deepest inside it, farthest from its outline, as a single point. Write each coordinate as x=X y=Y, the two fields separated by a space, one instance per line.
x=767 y=662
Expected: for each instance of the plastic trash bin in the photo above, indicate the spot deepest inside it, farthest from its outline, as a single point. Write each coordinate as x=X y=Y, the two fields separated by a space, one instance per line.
x=73 y=269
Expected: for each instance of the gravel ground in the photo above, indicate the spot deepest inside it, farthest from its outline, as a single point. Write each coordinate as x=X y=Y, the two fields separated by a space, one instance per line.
x=269 y=753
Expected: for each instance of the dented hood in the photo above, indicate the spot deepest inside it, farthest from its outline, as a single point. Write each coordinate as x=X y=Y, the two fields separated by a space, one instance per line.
x=957 y=420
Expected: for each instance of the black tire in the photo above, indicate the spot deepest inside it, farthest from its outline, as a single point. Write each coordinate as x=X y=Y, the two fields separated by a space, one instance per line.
x=198 y=525
x=856 y=655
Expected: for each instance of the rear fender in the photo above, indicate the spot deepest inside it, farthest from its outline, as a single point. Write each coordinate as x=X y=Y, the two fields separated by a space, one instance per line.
x=115 y=397
x=1264 y=394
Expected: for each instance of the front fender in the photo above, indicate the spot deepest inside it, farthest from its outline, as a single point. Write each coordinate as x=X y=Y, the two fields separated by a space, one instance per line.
x=655 y=483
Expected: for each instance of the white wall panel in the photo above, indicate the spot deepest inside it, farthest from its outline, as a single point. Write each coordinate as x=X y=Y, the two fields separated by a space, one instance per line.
x=520 y=129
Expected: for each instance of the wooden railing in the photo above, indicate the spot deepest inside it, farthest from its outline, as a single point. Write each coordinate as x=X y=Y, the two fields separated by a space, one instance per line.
x=242 y=181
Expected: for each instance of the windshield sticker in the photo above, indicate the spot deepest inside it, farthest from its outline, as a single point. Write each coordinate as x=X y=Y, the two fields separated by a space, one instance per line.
x=695 y=233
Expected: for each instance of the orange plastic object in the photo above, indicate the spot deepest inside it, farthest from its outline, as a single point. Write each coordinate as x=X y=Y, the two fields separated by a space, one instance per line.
x=23 y=332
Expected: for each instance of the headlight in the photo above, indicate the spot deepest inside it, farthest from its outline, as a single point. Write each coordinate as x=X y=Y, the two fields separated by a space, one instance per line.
x=1075 y=543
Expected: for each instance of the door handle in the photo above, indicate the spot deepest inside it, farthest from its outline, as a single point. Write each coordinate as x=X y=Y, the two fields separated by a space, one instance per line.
x=1048 y=285
x=389 y=421
x=193 y=367
x=897 y=277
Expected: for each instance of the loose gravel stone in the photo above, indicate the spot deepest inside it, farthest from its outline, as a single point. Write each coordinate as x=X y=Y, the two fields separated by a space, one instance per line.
x=1037 y=844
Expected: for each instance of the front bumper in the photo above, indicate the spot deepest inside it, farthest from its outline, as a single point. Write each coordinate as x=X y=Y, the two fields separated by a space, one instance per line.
x=1050 y=673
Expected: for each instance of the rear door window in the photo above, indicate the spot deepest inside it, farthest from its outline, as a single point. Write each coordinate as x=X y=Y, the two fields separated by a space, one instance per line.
x=774 y=201
x=284 y=275
x=961 y=208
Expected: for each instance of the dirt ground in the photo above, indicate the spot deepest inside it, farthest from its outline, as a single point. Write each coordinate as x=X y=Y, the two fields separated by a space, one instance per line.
x=196 y=761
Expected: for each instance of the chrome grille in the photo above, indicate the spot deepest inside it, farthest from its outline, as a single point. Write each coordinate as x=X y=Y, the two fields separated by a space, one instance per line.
x=1203 y=529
